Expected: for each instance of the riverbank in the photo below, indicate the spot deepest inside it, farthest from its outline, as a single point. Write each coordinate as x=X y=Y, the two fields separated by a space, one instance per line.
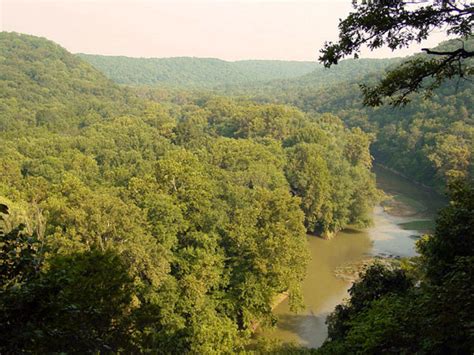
x=353 y=271
x=337 y=262
x=412 y=195
x=398 y=173
x=400 y=206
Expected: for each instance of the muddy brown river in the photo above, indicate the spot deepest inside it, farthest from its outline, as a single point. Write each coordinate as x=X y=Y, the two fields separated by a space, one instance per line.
x=389 y=236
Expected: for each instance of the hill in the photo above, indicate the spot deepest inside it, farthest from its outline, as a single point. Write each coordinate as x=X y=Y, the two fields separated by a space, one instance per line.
x=430 y=140
x=41 y=83
x=194 y=72
x=232 y=77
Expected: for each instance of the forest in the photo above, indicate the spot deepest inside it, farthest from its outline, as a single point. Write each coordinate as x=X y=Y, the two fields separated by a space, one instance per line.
x=171 y=205
x=131 y=224
x=190 y=72
x=431 y=140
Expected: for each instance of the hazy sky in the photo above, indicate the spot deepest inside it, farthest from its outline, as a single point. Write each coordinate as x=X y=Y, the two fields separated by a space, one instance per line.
x=226 y=29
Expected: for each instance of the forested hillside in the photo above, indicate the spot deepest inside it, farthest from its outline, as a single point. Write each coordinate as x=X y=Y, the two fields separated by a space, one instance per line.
x=429 y=141
x=347 y=71
x=187 y=72
x=132 y=225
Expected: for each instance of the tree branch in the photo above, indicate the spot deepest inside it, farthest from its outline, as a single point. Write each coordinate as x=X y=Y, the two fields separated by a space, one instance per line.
x=461 y=52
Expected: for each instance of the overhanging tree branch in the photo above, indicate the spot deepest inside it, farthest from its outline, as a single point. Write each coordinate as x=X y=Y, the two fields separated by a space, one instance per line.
x=461 y=52
x=397 y=24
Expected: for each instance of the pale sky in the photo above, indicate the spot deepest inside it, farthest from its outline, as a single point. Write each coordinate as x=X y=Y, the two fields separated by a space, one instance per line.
x=225 y=29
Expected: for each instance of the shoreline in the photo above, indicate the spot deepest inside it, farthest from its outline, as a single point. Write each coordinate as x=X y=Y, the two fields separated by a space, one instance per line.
x=396 y=172
x=404 y=209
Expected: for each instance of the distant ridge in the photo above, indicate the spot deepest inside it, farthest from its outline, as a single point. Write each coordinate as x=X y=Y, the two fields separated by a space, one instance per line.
x=195 y=72
x=213 y=73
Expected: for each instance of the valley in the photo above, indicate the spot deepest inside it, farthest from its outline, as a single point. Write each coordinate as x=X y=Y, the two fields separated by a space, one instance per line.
x=164 y=205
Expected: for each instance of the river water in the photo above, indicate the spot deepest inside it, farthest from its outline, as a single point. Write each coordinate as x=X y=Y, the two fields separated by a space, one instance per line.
x=388 y=236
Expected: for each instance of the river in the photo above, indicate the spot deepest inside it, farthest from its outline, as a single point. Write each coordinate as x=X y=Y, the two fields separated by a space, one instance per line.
x=392 y=234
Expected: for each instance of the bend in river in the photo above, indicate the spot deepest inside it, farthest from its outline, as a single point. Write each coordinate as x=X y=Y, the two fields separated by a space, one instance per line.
x=392 y=234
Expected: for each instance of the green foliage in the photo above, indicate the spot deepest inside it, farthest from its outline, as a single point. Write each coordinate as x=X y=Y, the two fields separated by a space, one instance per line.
x=168 y=221
x=429 y=141
x=453 y=238
x=376 y=283
x=330 y=177
x=79 y=303
x=151 y=226
x=406 y=79
x=308 y=174
x=18 y=256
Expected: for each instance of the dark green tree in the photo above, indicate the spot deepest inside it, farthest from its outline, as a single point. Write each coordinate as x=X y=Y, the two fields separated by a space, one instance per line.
x=453 y=239
x=69 y=303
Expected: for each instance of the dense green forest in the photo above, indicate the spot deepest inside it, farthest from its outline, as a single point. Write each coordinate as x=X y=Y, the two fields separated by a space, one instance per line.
x=134 y=225
x=187 y=72
x=167 y=216
x=172 y=205
x=430 y=141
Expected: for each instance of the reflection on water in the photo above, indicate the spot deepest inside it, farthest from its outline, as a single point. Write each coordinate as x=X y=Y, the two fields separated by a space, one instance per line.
x=321 y=289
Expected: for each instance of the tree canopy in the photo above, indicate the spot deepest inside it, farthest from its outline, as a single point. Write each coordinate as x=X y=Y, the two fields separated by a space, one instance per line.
x=191 y=209
x=133 y=223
